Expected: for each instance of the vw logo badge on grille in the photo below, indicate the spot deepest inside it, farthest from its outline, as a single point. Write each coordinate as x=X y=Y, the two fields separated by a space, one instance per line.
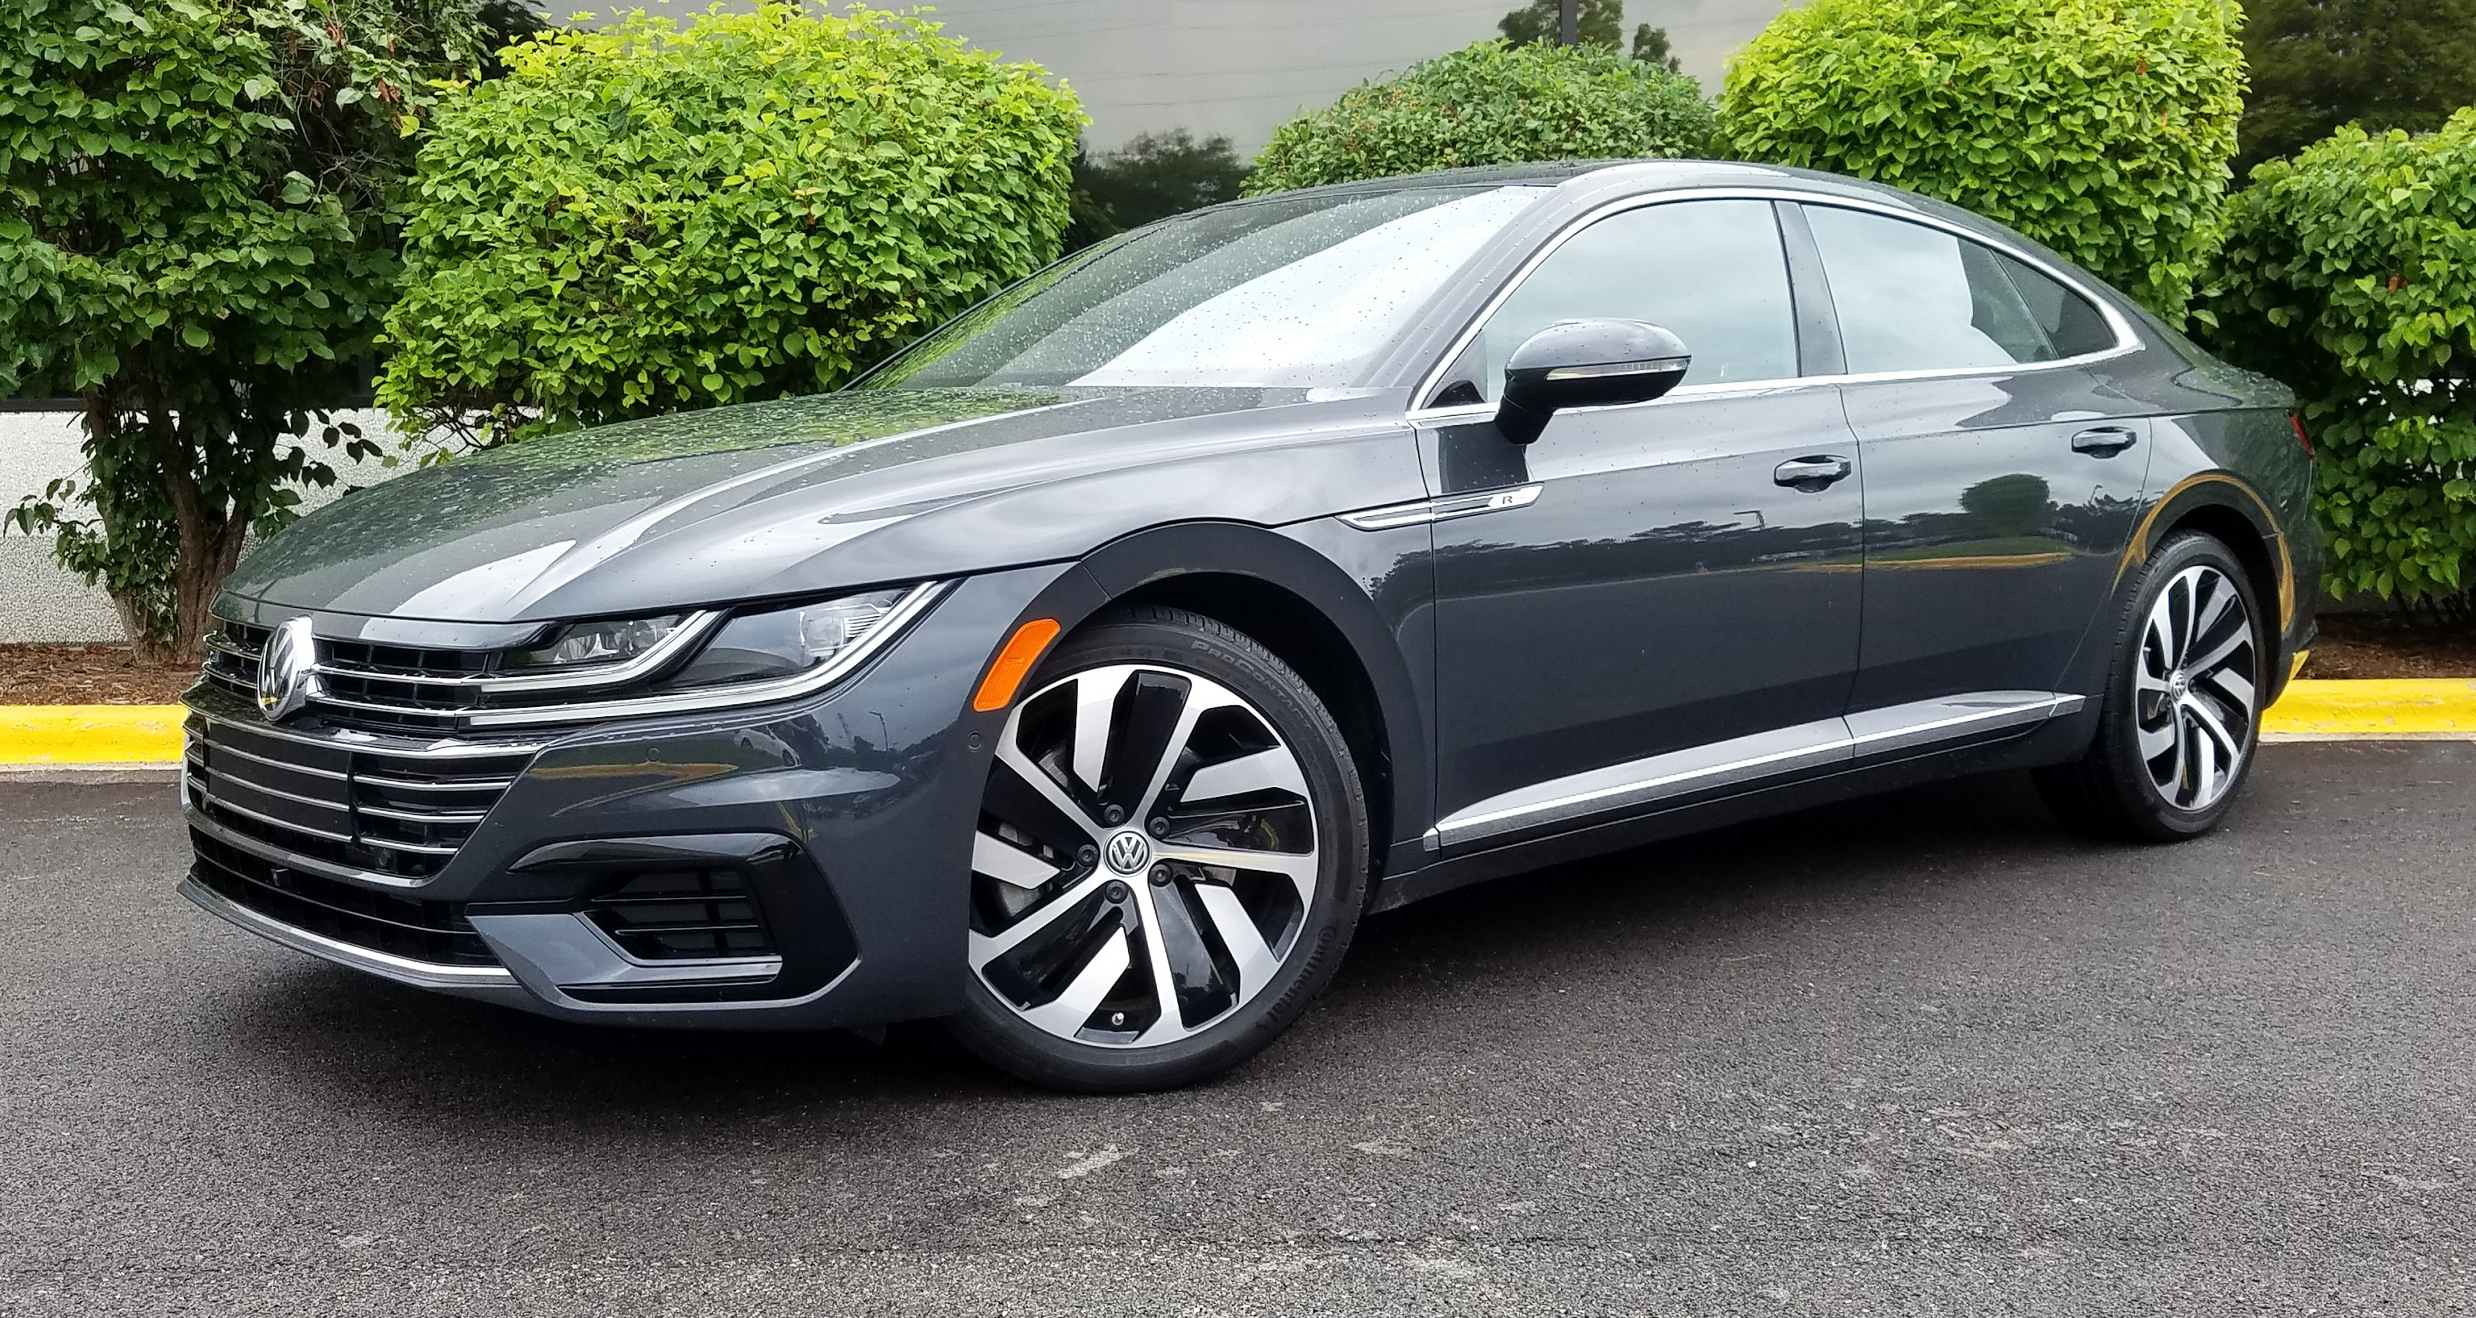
x=1128 y=851
x=288 y=670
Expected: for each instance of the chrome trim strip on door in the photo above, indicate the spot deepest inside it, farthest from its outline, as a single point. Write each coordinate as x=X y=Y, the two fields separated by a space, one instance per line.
x=1924 y=722
x=1636 y=782
x=1741 y=760
x=2125 y=340
x=1442 y=509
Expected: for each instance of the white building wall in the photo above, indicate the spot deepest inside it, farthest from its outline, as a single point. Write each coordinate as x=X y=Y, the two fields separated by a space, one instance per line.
x=39 y=601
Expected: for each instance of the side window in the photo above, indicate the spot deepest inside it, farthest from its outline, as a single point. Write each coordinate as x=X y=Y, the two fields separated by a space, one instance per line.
x=1710 y=271
x=1911 y=298
x=2069 y=322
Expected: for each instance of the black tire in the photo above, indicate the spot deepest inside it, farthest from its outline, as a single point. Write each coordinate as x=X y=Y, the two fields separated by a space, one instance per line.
x=1139 y=653
x=2126 y=788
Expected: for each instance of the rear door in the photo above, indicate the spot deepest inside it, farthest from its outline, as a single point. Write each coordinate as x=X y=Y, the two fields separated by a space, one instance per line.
x=1652 y=601
x=2002 y=478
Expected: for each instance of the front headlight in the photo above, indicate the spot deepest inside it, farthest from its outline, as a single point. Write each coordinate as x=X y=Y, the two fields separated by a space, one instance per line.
x=780 y=643
x=596 y=643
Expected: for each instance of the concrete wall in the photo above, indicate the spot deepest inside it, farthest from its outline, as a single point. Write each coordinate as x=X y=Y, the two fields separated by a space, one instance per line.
x=38 y=600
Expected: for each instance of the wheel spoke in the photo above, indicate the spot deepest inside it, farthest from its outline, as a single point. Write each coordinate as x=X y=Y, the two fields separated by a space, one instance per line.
x=988 y=947
x=2237 y=688
x=1011 y=757
x=2205 y=759
x=1201 y=698
x=2209 y=659
x=1268 y=770
x=1169 y=1024
x=1096 y=706
x=1067 y=1012
x=1004 y=861
x=2214 y=596
x=2213 y=727
x=2179 y=613
x=1238 y=933
x=1300 y=867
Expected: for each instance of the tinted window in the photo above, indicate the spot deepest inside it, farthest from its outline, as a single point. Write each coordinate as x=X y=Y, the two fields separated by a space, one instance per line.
x=1710 y=271
x=2072 y=325
x=1912 y=298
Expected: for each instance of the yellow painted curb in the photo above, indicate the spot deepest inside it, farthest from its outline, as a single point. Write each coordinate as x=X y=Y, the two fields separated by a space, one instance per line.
x=2403 y=707
x=90 y=734
x=2386 y=707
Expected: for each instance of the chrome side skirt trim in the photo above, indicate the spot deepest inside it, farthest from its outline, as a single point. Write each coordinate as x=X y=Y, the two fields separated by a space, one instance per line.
x=421 y=974
x=1742 y=760
x=1443 y=509
x=1900 y=727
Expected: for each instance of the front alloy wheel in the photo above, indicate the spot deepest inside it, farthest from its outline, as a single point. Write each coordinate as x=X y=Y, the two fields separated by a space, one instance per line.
x=1168 y=859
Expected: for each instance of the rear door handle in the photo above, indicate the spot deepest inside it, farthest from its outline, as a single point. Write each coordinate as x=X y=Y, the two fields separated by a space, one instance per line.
x=2104 y=441
x=1811 y=474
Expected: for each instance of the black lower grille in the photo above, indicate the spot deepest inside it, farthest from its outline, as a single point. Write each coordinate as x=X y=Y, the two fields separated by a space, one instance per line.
x=673 y=915
x=433 y=932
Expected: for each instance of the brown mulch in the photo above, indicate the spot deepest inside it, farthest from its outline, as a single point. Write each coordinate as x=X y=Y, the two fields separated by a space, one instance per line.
x=2378 y=645
x=2351 y=645
x=87 y=675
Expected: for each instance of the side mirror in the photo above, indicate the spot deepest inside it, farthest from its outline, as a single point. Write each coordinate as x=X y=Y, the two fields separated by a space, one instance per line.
x=1586 y=363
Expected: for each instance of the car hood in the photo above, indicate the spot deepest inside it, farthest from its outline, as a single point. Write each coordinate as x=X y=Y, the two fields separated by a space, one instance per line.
x=802 y=495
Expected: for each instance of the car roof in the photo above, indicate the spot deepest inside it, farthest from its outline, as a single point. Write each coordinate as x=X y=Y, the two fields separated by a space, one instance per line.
x=1605 y=177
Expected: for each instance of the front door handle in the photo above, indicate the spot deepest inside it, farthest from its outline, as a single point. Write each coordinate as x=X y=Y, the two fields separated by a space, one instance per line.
x=1811 y=474
x=2104 y=441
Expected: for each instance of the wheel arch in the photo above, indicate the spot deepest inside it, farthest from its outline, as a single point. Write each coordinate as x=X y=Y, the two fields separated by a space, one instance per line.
x=2230 y=511
x=2225 y=507
x=1310 y=613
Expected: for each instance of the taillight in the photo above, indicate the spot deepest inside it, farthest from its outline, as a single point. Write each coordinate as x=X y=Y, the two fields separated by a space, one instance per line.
x=2300 y=436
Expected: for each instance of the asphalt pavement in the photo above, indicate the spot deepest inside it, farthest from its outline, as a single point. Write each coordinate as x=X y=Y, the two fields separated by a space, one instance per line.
x=1926 y=1054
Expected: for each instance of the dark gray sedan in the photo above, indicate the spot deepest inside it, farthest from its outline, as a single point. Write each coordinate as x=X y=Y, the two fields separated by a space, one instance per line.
x=1086 y=671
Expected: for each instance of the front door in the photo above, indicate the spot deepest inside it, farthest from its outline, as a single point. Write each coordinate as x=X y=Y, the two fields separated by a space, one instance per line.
x=2002 y=478
x=1656 y=601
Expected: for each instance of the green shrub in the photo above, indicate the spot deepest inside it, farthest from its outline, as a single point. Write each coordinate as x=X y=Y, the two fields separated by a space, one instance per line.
x=1490 y=104
x=2101 y=128
x=2350 y=273
x=647 y=218
x=196 y=240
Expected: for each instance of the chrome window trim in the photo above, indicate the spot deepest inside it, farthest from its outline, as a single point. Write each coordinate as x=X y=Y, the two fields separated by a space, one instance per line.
x=422 y=974
x=691 y=631
x=889 y=629
x=2125 y=340
x=1749 y=759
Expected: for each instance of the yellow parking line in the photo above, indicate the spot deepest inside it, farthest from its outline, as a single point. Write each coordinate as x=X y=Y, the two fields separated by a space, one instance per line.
x=90 y=734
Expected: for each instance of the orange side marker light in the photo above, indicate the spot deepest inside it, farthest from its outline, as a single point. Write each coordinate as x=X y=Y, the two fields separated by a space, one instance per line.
x=1013 y=664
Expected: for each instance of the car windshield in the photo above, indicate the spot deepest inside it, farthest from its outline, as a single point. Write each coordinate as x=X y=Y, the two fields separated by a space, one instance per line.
x=1295 y=293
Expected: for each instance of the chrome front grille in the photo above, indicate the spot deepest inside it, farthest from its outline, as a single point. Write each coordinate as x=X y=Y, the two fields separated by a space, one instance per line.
x=392 y=814
x=416 y=691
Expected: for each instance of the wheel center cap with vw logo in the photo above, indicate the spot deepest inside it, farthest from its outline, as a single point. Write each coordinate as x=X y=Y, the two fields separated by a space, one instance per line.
x=288 y=670
x=1129 y=852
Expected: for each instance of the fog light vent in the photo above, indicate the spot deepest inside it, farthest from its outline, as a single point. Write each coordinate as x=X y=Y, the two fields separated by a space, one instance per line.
x=685 y=914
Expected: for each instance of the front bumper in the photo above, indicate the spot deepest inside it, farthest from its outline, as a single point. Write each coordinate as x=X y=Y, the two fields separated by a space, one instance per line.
x=839 y=828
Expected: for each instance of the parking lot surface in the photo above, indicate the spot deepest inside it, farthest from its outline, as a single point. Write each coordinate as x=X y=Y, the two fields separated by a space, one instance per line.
x=1926 y=1054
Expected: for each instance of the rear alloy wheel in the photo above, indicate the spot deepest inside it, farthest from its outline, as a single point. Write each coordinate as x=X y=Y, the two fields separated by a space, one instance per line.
x=2182 y=711
x=1169 y=860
